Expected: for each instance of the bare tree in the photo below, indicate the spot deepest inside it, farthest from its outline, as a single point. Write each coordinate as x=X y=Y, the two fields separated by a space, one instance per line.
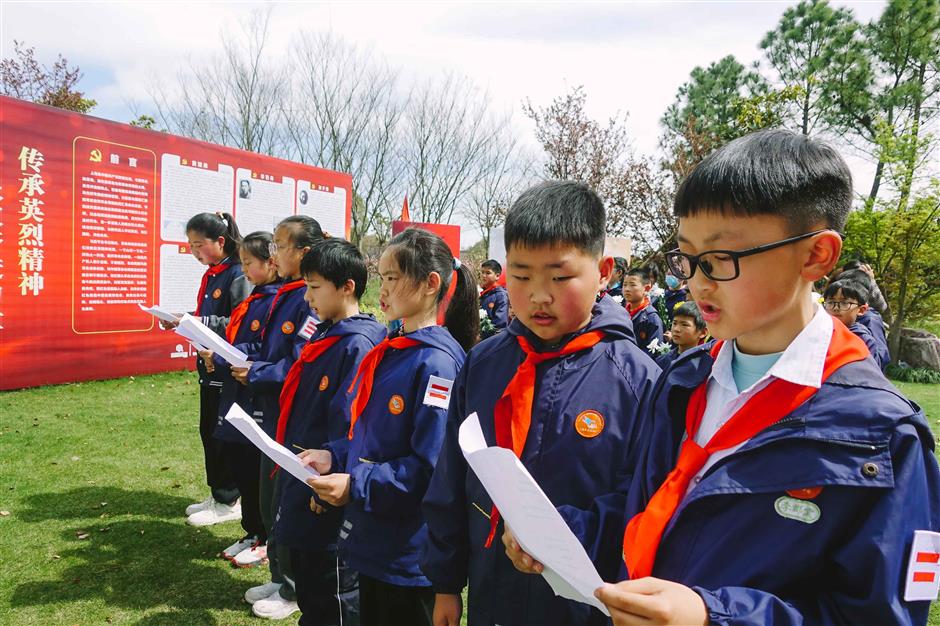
x=343 y=114
x=449 y=128
x=507 y=172
x=236 y=99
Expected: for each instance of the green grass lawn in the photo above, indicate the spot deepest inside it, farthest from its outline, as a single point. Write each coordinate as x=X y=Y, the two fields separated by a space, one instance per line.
x=94 y=478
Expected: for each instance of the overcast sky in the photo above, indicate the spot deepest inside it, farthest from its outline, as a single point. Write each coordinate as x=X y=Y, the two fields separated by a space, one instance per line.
x=630 y=57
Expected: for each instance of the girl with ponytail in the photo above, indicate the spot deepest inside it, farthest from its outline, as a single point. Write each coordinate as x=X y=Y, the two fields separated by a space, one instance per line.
x=397 y=405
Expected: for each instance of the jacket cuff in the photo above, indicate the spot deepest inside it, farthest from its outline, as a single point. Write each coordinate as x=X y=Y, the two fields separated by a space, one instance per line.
x=717 y=611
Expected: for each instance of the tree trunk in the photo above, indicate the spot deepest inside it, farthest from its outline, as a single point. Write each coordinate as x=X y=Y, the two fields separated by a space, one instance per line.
x=875 y=184
x=894 y=336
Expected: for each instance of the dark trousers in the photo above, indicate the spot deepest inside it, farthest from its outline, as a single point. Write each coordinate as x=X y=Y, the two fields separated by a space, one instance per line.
x=384 y=604
x=327 y=590
x=244 y=465
x=278 y=555
x=218 y=476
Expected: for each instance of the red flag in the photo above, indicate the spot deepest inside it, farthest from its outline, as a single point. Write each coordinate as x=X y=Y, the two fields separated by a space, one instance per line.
x=405 y=216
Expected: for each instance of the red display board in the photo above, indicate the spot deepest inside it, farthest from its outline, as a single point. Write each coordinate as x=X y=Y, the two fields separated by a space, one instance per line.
x=92 y=221
x=448 y=232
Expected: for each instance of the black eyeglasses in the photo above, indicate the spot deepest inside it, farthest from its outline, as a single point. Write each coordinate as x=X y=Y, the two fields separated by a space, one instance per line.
x=722 y=265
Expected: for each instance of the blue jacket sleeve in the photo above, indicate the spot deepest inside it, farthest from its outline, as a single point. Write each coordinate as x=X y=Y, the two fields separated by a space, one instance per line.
x=446 y=555
x=400 y=484
x=866 y=585
x=499 y=314
x=268 y=377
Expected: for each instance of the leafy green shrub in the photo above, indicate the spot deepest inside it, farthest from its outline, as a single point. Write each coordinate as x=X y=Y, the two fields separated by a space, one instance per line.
x=912 y=374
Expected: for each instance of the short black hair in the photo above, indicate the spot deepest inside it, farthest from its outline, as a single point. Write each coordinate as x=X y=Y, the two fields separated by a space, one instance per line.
x=258 y=244
x=771 y=172
x=850 y=288
x=690 y=309
x=642 y=273
x=338 y=261
x=492 y=264
x=557 y=212
x=620 y=264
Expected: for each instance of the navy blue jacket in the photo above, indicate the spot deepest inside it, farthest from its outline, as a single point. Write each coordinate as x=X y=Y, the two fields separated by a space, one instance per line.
x=224 y=292
x=674 y=298
x=879 y=350
x=395 y=446
x=284 y=336
x=646 y=325
x=665 y=360
x=613 y=379
x=496 y=305
x=233 y=391
x=317 y=417
x=872 y=320
x=858 y=438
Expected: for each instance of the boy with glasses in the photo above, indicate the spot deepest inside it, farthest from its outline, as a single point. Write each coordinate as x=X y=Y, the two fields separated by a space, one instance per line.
x=847 y=300
x=785 y=480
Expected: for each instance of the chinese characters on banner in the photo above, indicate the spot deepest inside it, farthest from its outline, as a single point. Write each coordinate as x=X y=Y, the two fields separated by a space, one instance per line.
x=30 y=242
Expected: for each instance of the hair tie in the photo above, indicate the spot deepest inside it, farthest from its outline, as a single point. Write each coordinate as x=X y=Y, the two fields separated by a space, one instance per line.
x=222 y=217
x=456 y=263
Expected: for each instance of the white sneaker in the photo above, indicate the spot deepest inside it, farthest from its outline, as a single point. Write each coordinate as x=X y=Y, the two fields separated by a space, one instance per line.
x=274 y=607
x=242 y=544
x=261 y=592
x=216 y=513
x=198 y=506
x=251 y=556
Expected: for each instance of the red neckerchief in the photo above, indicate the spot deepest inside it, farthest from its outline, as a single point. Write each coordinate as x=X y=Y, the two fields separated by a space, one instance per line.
x=778 y=399
x=212 y=271
x=286 y=287
x=513 y=411
x=633 y=312
x=365 y=376
x=238 y=316
x=310 y=353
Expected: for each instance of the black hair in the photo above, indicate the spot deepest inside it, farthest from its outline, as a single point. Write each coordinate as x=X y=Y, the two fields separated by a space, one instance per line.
x=652 y=270
x=258 y=244
x=620 y=265
x=642 y=272
x=338 y=261
x=304 y=230
x=850 y=288
x=492 y=264
x=690 y=309
x=215 y=225
x=419 y=252
x=557 y=212
x=771 y=172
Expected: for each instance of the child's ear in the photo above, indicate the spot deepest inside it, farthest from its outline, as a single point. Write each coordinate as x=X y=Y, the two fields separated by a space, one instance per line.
x=349 y=288
x=606 y=267
x=863 y=309
x=823 y=254
x=434 y=283
x=647 y=287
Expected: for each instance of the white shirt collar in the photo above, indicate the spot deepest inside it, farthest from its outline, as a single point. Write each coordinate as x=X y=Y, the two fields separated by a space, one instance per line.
x=802 y=363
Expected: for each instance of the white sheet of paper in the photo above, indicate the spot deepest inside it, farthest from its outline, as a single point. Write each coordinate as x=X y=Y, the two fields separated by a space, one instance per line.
x=191 y=337
x=160 y=313
x=196 y=331
x=288 y=461
x=536 y=524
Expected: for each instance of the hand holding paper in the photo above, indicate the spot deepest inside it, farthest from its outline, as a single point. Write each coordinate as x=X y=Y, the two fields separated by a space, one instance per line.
x=196 y=331
x=270 y=448
x=537 y=526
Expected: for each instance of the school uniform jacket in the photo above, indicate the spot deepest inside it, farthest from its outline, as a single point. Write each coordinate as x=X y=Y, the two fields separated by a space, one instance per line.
x=317 y=416
x=395 y=446
x=495 y=302
x=609 y=383
x=665 y=360
x=875 y=324
x=646 y=326
x=224 y=292
x=249 y=332
x=290 y=324
x=756 y=554
x=674 y=298
x=879 y=350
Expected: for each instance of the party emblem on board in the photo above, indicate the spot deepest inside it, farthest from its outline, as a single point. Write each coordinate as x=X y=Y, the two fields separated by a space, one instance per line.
x=396 y=404
x=255 y=324
x=589 y=424
x=324 y=383
x=287 y=328
x=217 y=294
